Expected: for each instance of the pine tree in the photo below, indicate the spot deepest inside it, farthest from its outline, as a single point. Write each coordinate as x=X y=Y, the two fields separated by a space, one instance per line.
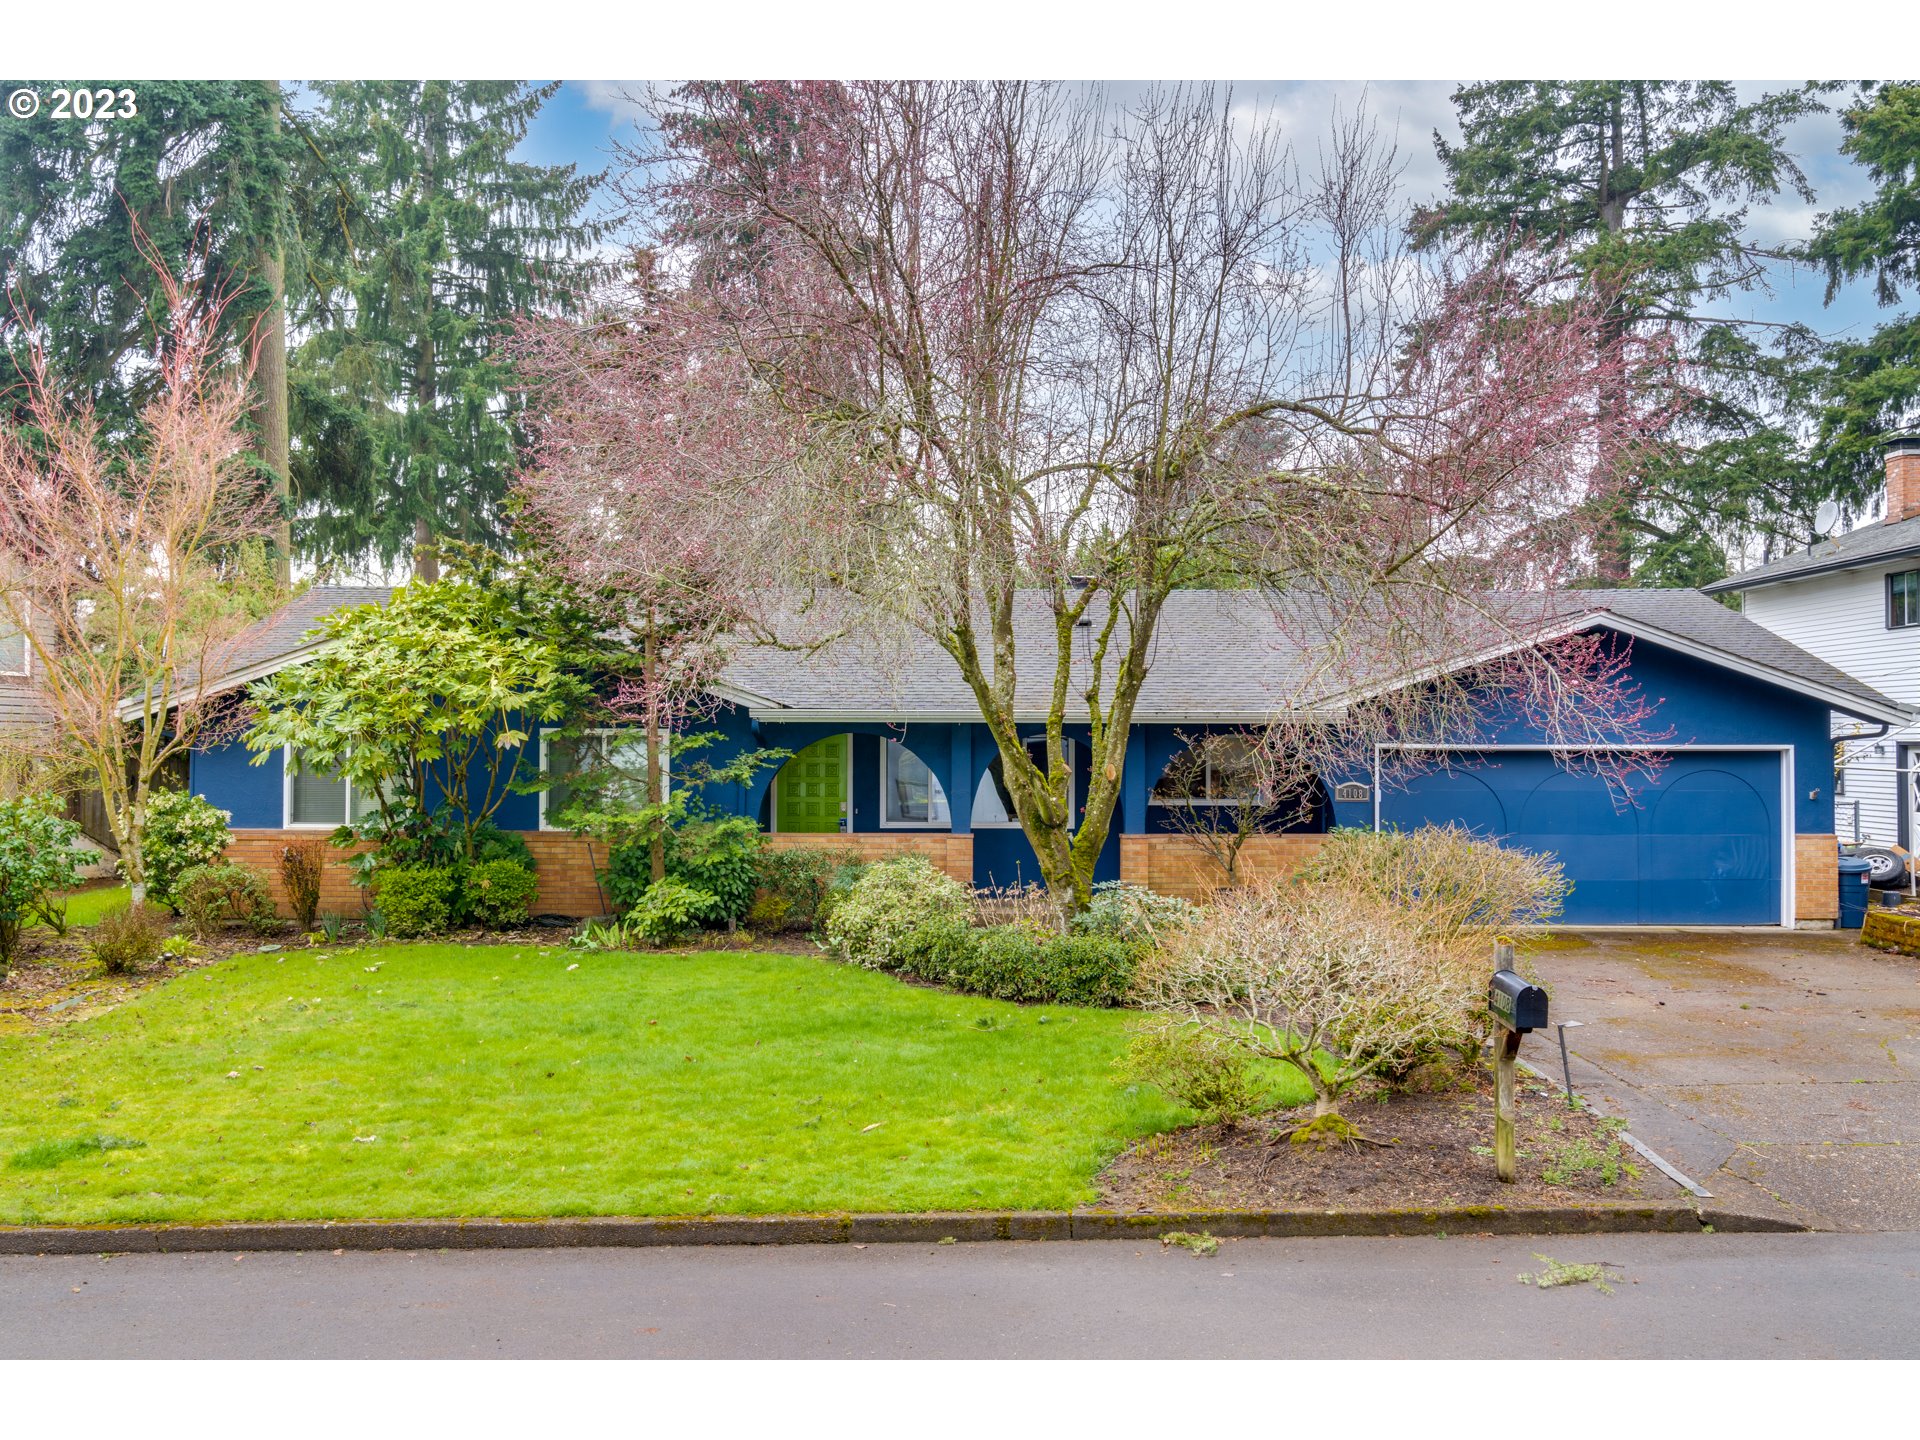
x=197 y=177
x=1642 y=189
x=456 y=238
x=1873 y=388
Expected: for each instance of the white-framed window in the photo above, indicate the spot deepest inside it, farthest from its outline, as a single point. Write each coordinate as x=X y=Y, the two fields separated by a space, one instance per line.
x=622 y=752
x=993 y=805
x=1222 y=770
x=910 y=794
x=319 y=800
x=16 y=655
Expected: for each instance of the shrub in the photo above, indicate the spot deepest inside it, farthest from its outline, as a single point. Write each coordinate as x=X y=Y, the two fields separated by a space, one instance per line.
x=1018 y=962
x=415 y=899
x=490 y=842
x=302 y=863
x=890 y=899
x=719 y=856
x=212 y=897
x=792 y=884
x=127 y=940
x=182 y=831
x=669 y=910
x=498 y=893
x=1459 y=883
x=941 y=951
x=1133 y=912
x=1338 y=983
x=37 y=860
x=1196 y=1069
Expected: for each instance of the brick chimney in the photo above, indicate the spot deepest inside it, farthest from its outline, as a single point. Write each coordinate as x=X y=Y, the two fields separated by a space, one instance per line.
x=1903 y=477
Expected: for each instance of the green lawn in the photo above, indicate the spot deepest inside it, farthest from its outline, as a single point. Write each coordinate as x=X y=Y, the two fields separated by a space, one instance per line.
x=440 y=1080
x=85 y=907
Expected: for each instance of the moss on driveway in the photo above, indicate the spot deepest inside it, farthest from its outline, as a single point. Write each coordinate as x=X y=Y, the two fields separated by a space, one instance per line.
x=404 y=1081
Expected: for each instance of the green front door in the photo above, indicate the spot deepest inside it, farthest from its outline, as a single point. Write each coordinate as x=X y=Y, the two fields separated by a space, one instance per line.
x=811 y=789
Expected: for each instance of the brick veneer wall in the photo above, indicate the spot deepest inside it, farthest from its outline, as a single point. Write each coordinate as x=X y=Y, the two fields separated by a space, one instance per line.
x=564 y=866
x=951 y=853
x=1179 y=865
x=1816 y=879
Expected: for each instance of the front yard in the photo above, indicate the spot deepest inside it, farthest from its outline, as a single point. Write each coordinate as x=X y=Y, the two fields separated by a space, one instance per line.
x=438 y=1080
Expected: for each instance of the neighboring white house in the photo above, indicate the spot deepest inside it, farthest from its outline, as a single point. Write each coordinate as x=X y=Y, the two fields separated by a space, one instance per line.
x=1854 y=601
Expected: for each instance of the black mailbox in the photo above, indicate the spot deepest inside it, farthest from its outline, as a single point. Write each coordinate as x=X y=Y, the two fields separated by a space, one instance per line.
x=1516 y=1004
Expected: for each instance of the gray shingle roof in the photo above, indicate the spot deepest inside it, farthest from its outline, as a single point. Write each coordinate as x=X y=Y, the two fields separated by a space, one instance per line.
x=1867 y=545
x=1230 y=655
x=286 y=630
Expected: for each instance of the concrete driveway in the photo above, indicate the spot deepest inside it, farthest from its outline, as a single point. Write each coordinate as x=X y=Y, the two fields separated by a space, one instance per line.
x=1780 y=1070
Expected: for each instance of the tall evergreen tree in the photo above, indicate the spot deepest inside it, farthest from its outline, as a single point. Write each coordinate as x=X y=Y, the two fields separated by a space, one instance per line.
x=185 y=175
x=456 y=238
x=1873 y=388
x=1642 y=188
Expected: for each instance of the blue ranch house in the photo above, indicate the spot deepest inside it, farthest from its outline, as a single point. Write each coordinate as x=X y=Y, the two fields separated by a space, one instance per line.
x=889 y=756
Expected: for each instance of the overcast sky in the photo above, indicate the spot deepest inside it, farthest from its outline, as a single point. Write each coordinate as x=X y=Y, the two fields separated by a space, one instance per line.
x=579 y=125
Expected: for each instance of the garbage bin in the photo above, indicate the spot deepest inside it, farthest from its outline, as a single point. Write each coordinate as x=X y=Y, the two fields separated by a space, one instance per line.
x=1853 y=892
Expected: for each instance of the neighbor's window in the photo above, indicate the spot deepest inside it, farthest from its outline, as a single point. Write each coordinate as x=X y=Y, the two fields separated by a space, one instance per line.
x=13 y=649
x=1903 y=599
x=911 y=795
x=1222 y=770
x=615 y=759
x=992 y=805
x=317 y=798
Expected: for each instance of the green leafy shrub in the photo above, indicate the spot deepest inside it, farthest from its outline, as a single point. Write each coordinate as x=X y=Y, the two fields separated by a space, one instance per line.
x=490 y=842
x=890 y=899
x=212 y=897
x=1018 y=962
x=718 y=855
x=1133 y=912
x=846 y=874
x=182 y=831
x=1198 y=1070
x=498 y=893
x=415 y=900
x=127 y=940
x=937 y=951
x=791 y=885
x=37 y=860
x=670 y=910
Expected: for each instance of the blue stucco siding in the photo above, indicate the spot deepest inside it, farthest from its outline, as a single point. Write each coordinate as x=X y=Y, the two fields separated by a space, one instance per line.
x=1701 y=704
x=254 y=795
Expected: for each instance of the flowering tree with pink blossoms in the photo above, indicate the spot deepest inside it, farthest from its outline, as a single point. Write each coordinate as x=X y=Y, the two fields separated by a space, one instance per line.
x=120 y=564
x=993 y=356
x=632 y=428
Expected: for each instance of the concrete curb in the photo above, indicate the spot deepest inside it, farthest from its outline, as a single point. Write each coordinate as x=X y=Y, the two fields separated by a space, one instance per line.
x=923 y=1229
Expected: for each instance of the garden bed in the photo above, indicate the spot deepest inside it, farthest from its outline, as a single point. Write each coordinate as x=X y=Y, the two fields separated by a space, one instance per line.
x=1437 y=1151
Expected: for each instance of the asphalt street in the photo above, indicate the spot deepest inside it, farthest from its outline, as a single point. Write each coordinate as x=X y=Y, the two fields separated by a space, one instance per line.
x=1672 y=1296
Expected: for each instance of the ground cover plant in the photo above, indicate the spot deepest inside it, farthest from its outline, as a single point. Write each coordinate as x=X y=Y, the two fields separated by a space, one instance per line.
x=414 y=1080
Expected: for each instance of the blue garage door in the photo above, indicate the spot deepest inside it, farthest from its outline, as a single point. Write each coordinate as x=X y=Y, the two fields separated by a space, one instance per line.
x=1699 y=846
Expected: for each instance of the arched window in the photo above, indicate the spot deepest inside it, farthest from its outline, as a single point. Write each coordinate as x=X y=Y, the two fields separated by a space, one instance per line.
x=910 y=793
x=993 y=805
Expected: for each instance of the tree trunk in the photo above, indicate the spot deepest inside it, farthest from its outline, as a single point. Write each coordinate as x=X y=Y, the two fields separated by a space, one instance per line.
x=426 y=559
x=656 y=737
x=270 y=379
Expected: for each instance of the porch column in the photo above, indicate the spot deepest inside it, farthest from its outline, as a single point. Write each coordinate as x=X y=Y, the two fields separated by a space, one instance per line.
x=957 y=780
x=1133 y=784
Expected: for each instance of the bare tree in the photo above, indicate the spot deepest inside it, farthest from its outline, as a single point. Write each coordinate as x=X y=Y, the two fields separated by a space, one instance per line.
x=1030 y=361
x=1229 y=786
x=120 y=565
